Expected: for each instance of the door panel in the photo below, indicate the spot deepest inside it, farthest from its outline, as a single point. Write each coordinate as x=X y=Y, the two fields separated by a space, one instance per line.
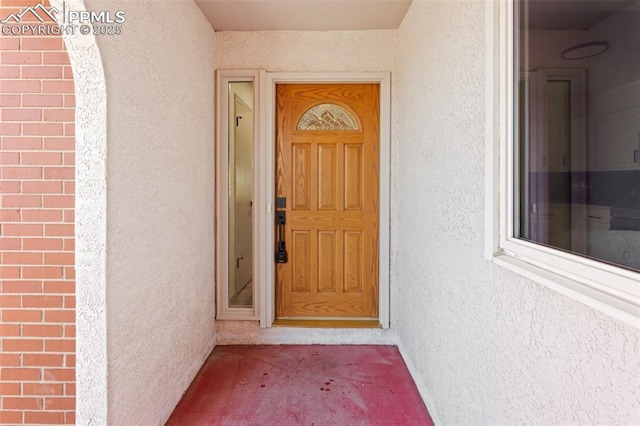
x=301 y=176
x=327 y=252
x=327 y=177
x=352 y=177
x=327 y=167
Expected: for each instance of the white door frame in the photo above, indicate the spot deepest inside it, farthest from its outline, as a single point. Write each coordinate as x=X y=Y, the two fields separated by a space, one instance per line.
x=266 y=190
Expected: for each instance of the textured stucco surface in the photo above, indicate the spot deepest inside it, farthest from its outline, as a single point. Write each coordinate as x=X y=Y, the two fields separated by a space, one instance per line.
x=90 y=224
x=310 y=51
x=159 y=187
x=485 y=345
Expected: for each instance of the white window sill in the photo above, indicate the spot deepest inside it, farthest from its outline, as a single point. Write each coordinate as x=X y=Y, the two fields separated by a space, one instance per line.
x=625 y=311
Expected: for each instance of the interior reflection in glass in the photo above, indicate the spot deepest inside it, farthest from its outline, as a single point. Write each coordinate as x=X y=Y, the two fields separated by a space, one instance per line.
x=240 y=194
x=578 y=126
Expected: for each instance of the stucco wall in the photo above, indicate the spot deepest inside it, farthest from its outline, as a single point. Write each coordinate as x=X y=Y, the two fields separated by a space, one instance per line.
x=159 y=181
x=485 y=345
x=309 y=51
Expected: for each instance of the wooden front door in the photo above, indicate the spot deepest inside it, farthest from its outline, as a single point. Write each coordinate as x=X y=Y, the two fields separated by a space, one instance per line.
x=327 y=169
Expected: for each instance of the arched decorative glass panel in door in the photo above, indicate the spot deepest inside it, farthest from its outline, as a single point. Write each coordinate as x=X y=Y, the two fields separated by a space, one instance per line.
x=327 y=117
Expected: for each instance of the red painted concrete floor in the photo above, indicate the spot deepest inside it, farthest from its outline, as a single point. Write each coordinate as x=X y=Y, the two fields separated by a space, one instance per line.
x=302 y=385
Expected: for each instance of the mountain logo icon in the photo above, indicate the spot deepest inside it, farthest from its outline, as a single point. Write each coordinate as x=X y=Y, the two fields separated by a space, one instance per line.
x=39 y=11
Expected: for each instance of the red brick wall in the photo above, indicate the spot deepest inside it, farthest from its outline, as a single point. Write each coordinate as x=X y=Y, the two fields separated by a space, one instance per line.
x=37 y=282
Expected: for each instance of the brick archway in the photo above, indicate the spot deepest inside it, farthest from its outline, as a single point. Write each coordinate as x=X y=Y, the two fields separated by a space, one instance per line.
x=53 y=206
x=37 y=244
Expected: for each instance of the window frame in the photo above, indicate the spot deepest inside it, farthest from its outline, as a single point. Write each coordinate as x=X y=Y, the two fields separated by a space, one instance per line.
x=223 y=309
x=611 y=289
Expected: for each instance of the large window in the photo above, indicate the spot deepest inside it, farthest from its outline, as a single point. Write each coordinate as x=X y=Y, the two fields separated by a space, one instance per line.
x=578 y=127
x=564 y=208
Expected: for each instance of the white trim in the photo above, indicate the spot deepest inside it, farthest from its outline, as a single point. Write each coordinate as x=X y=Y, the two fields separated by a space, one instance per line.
x=423 y=388
x=264 y=212
x=608 y=279
x=492 y=141
x=224 y=311
x=609 y=289
x=267 y=154
x=574 y=289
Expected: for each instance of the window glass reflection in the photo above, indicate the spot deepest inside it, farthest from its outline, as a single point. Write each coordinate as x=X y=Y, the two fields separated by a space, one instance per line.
x=578 y=127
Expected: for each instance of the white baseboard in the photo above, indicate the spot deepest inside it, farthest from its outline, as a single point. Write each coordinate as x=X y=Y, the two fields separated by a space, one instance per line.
x=422 y=388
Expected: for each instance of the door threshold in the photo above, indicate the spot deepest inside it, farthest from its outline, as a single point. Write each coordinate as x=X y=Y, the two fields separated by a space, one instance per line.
x=327 y=323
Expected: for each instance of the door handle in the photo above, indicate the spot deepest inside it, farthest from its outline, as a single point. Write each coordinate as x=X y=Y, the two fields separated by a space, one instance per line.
x=281 y=249
x=238 y=259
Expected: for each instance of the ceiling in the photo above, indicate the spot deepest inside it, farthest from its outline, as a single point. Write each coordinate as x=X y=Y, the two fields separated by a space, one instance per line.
x=571 y=14
x=327 y=15
x=303 y=15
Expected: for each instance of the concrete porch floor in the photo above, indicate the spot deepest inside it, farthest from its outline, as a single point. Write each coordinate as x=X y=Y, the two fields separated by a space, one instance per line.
x=302 y=385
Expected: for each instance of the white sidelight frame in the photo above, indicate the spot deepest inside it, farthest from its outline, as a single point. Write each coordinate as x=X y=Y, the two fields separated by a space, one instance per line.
x=610 y=289
x=224 y=77
x=267 y=157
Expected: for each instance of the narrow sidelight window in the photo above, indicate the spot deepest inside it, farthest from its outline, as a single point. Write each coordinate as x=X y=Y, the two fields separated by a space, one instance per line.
x=241 y=144
x=236 y=195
